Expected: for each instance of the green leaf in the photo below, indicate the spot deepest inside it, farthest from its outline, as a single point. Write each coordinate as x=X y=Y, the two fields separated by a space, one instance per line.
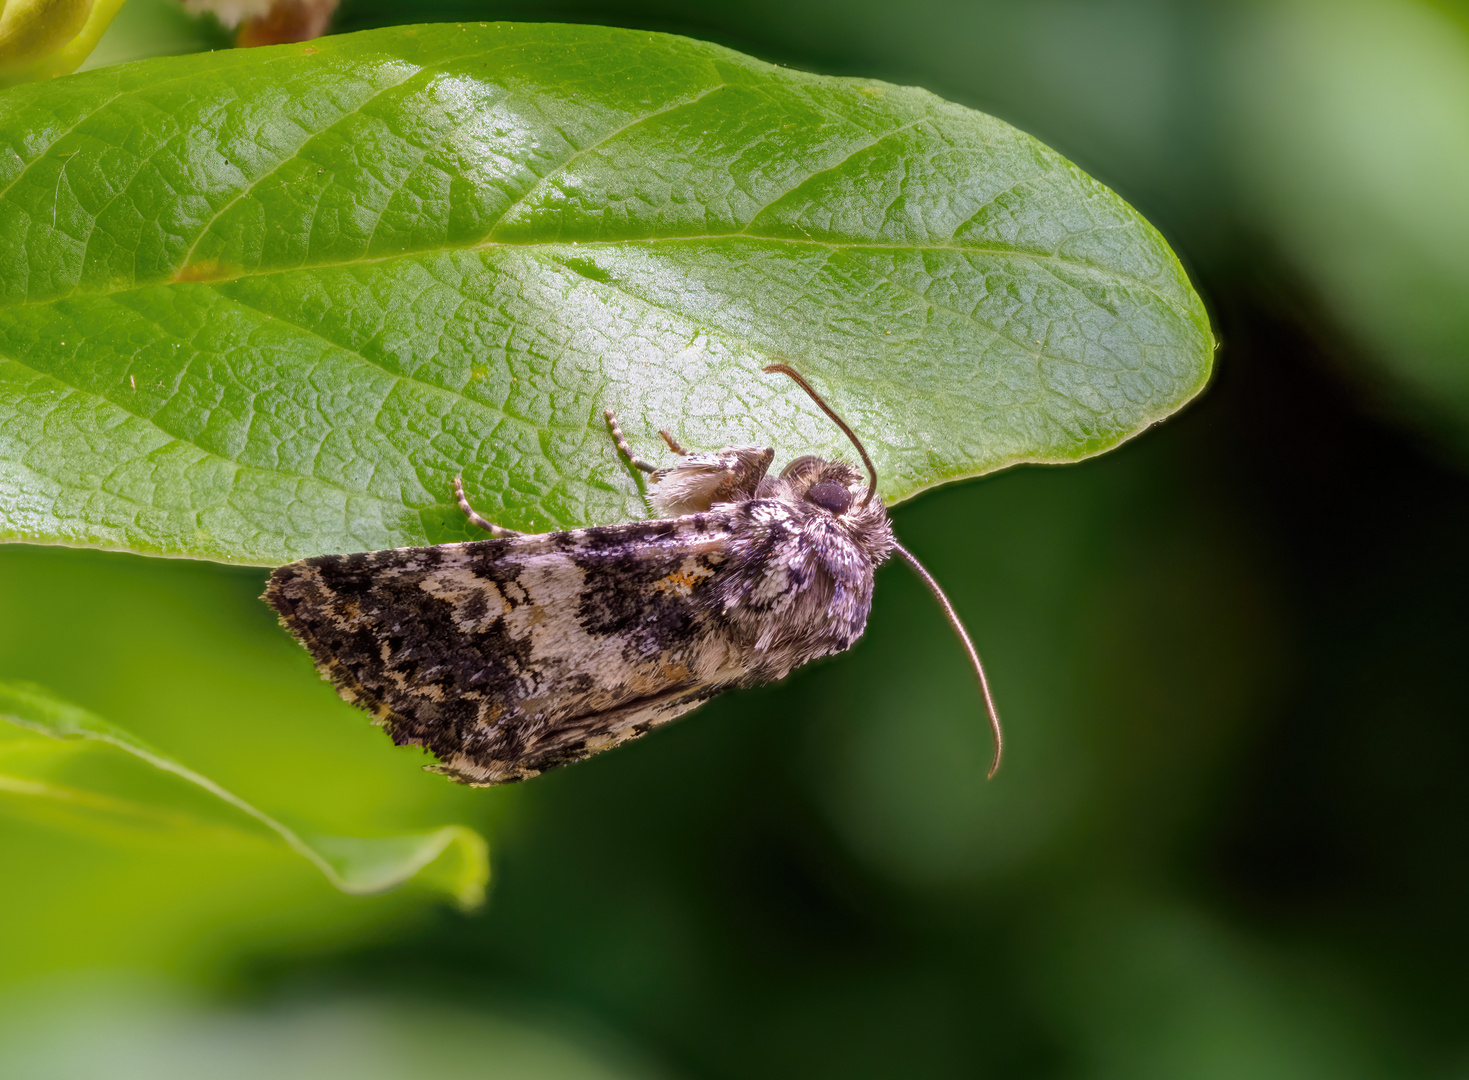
x=263 y=304
x=453 y=859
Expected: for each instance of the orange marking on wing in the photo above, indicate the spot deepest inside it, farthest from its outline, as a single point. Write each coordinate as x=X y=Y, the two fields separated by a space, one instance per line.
x=682 y=580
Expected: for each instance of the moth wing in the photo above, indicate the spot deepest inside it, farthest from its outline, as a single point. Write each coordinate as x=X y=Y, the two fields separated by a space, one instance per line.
x=507 y=657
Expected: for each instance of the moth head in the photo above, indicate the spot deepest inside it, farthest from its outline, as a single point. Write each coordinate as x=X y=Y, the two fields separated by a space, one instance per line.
x=786 y=369
x=819 y=482
x=832 y=485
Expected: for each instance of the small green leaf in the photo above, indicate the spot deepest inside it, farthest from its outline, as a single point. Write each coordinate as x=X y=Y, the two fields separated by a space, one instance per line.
x=453 y=858
x=263 y=304
x=40 y=39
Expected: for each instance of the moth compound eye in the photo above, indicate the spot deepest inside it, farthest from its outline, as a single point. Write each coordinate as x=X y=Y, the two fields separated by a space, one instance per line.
x=831 y=496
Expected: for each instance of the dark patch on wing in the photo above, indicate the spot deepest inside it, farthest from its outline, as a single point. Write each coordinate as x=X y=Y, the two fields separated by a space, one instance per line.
x=415 y=637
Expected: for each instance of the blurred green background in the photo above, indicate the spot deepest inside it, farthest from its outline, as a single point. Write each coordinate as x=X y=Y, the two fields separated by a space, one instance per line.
x=1230 y=836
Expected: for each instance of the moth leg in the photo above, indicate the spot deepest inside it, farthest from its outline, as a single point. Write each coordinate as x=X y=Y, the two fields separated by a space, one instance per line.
x=673 y=443
x=474 y=518
x=623 y=448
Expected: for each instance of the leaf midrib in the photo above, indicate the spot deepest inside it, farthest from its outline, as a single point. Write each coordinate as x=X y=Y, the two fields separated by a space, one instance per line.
x=537 y=247
x=1091 y=269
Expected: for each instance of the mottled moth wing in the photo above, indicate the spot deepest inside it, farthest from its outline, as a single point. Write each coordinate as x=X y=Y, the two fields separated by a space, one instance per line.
x=507 y=657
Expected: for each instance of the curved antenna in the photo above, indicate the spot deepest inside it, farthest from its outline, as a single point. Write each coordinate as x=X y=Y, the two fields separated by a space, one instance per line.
x=984 y=683
x=785 y=369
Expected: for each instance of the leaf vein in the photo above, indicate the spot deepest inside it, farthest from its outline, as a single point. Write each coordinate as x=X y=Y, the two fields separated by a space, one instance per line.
x=174 y=437
x=560 y=167
x=128 y=91
x=398 y=376
x=309 y=137
x=826 y=169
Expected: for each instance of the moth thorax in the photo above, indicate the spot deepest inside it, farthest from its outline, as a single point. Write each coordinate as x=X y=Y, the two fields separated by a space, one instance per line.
x=701 y=480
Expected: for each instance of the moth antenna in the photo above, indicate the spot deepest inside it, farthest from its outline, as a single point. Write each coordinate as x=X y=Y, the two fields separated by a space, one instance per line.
x=984 y=683
x=498 y=531
x=622 y=447
x=804 y=385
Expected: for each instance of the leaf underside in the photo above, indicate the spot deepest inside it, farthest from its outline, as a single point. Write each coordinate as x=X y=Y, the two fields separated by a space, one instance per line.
x=263 y=304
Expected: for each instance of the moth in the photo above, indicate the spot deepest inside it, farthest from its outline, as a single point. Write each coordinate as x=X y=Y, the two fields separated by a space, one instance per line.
x=509 y=656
